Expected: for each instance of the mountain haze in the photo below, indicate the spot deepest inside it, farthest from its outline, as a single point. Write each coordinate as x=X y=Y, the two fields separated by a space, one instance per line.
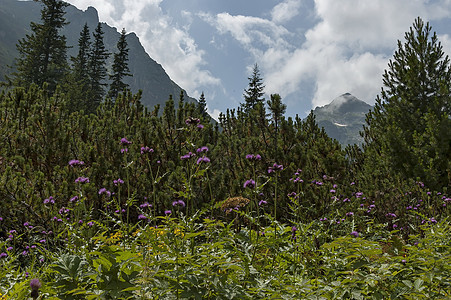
x=343 y=118
x=148 y=75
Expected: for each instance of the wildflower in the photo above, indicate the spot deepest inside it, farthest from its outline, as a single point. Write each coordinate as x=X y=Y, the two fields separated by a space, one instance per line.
x=124 y=150
x=80 y=222
x=253 y=157
x=146 y=204
x=395 y=226
x=355 y=234
x=200 y=126
x=349 y=214
x=82 y=180
x=105 y=191
x=203 y=159
x=146 y=149
x=118 y=181
x=73 y=199
x=35 y=285
x=124 y=141
x=187 y=156
x=332 y=191
x=292 y=195
x=3 y=254
x=358 y=194
x=262 y=202
x=353 y=183
x=142 y=217
x=179 y=203
x=392 y=215
x=249 y=184
x=202 y=149
x=1 y=219
x=90 y=224
x=49 y=200
x=76 y=162
x=25 y=252
x=275 y=167
x=9 y=249
x=404 y=261
x=167 y=212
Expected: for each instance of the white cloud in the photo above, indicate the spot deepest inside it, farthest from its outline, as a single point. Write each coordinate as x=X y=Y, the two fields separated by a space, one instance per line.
x=285 y=11
x=164 y=41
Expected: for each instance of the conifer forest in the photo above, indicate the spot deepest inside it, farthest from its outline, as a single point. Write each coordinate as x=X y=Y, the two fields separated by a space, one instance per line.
x=103 y=198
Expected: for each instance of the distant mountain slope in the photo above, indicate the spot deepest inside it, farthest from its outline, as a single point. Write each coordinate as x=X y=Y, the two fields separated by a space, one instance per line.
x=148 y=75
x=343 y=118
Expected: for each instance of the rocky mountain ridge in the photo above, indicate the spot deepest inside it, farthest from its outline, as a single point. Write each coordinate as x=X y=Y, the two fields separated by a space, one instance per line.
x=343 y=118
x=148 y=75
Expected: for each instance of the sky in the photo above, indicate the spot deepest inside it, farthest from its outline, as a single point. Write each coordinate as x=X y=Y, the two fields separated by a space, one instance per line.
x=308 y=51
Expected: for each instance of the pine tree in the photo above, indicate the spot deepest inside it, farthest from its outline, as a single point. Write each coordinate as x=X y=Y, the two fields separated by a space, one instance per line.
x=254 y=93
x=97 y=69
x=202 y=106
x=120 y=67
x=78 y=81
x=42 y=54
x=416 y=91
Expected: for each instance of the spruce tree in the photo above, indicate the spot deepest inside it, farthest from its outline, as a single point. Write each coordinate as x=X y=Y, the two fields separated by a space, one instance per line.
x=120 y=67
x=202 y=106
x=97 y=69
x=254 y=93
x=78 y=81
x=413 y=107
x=42 y=54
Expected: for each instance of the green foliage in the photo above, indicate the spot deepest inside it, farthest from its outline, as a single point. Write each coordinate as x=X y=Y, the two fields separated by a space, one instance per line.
x=42 y=54
x=120 y=67
x=125 y=203
x=404 y=133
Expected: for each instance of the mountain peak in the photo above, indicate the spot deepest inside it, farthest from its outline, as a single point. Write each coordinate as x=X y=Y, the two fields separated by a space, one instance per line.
x=343 y=118
x=346 y=103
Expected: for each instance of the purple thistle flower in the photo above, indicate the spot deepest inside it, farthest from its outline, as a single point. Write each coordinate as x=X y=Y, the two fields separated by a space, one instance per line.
x=73 y=199
x=292 y=195
x=249 y=184
x=3 y=254
x=142 y=217
x=167 y=212
x=203 y=159
x=202 y=149
x=124 y=150
x=1 y=219
x=35 y=284
x=262 y=202
x=105 y=191
x=76 y=162
x=180 y=203
x=200 y=126
x=332 y=191
x=146 y=149
x=82 y=180
x=349 y=214
x=49 y=200
x=145 y=204
x=187 y=156
x=90 y=224
x=275 y=167
x=355 y=234
x=9 y=249
x=118 y=181
x=125 y=142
